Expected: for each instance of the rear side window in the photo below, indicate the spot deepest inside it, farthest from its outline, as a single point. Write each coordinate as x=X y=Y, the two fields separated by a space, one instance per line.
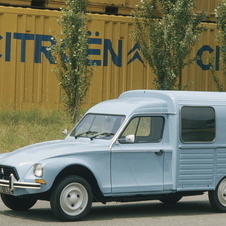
x=197 y=124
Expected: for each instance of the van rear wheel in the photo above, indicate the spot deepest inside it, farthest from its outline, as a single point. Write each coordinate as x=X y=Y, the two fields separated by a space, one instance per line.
x=217 y=197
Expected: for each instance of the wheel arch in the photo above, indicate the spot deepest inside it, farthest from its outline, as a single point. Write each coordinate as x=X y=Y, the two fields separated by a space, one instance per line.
x=218 y=180
x=85 y=173
x=217 y=197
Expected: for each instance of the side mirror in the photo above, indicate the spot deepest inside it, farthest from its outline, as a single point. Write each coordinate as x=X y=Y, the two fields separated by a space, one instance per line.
x=130 y=138
x=65 y=132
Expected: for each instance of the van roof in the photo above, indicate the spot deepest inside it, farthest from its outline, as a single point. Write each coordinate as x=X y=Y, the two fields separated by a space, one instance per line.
x=178 y=96
x=157 y=101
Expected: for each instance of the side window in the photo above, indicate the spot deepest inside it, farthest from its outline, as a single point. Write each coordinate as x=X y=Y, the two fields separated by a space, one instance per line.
x=146 y=129
x=197 y=124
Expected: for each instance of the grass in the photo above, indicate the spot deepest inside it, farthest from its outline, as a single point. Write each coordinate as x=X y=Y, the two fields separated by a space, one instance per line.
x=21 y=128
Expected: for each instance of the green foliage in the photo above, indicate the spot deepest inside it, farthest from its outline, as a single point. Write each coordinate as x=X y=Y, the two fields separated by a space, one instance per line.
x=166 y=31
x=218 y=83
x=221 y=25
x=70 y=53
x=21 y=128
x=221 y=37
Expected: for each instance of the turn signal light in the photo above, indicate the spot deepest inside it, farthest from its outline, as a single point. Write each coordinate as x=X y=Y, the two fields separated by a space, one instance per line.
x=40 y=181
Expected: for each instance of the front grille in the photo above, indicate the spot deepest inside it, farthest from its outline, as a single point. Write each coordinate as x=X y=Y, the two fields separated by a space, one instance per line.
x=5 y=172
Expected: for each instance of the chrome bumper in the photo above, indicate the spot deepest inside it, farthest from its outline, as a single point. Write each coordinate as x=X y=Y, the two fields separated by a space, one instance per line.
x=12 y=184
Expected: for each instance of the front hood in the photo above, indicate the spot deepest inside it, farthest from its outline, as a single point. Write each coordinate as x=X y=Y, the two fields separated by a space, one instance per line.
x=29 y=155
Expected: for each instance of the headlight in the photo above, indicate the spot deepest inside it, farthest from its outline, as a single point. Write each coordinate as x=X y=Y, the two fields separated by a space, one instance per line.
x=38 y=170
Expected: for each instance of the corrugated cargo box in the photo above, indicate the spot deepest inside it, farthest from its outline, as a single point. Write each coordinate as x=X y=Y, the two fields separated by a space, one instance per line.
x=26 y=78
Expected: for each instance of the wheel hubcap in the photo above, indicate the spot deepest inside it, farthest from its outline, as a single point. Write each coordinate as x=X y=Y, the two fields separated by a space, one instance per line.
x=222 y=192
x=74 y=199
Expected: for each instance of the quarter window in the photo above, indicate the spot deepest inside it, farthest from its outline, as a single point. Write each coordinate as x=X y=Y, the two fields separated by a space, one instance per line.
x=197 y=124
x=146 y=129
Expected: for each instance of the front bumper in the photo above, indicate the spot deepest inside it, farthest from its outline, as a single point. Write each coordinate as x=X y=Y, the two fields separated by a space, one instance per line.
x=8 y=186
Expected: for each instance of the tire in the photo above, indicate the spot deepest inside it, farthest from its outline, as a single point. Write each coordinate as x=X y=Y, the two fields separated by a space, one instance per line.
x=217 y=197
x=71 y=198
x=171 y=199
x=18 y=203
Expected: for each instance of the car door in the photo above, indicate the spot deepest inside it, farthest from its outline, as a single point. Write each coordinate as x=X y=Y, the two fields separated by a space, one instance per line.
x=137 y=157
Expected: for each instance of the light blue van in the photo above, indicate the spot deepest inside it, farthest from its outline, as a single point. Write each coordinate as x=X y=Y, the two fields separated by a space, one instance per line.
x=145 y=145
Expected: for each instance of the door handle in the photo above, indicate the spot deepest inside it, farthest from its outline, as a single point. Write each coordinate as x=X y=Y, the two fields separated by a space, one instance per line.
x=160 y=152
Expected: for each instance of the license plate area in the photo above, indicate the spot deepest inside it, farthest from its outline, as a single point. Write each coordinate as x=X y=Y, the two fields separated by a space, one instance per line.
x=5 y=190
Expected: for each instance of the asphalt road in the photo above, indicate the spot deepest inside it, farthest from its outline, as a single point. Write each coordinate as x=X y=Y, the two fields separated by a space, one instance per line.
x=192 y=211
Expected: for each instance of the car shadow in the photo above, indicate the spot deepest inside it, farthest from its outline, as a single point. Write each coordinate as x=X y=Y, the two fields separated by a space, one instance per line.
x=150 y=209
x=122 y=211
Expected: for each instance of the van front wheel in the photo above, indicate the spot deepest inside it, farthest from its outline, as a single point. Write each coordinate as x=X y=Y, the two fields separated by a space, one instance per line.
x=71 y=198
x=217 y=197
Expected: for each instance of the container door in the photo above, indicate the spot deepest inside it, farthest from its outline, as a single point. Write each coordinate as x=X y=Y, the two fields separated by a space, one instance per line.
x=137 y=157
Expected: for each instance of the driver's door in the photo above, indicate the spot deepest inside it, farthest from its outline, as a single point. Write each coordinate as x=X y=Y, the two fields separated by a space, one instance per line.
x=137 y=165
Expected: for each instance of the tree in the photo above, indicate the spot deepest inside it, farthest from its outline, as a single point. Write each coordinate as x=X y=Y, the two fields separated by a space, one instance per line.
x=166 y=31
x=70 y=53
x=221 y=37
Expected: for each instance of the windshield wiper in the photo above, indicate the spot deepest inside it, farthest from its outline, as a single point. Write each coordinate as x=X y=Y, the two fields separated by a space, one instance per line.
x=85 y=133
x=105 y=134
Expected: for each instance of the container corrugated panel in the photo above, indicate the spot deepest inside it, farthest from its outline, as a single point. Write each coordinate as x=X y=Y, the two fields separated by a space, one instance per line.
x=123 y=7
x=55 y=4
x=59 y=3
x=16 y=2
x=125 y=3
x=121 y=3
x=26 y=78
x=209 y=6
x=198 y=74
x=27 y=3
x=119 y=63
x=102 y=6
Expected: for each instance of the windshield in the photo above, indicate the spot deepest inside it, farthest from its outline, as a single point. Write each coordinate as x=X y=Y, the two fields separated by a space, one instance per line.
x=98 y=126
